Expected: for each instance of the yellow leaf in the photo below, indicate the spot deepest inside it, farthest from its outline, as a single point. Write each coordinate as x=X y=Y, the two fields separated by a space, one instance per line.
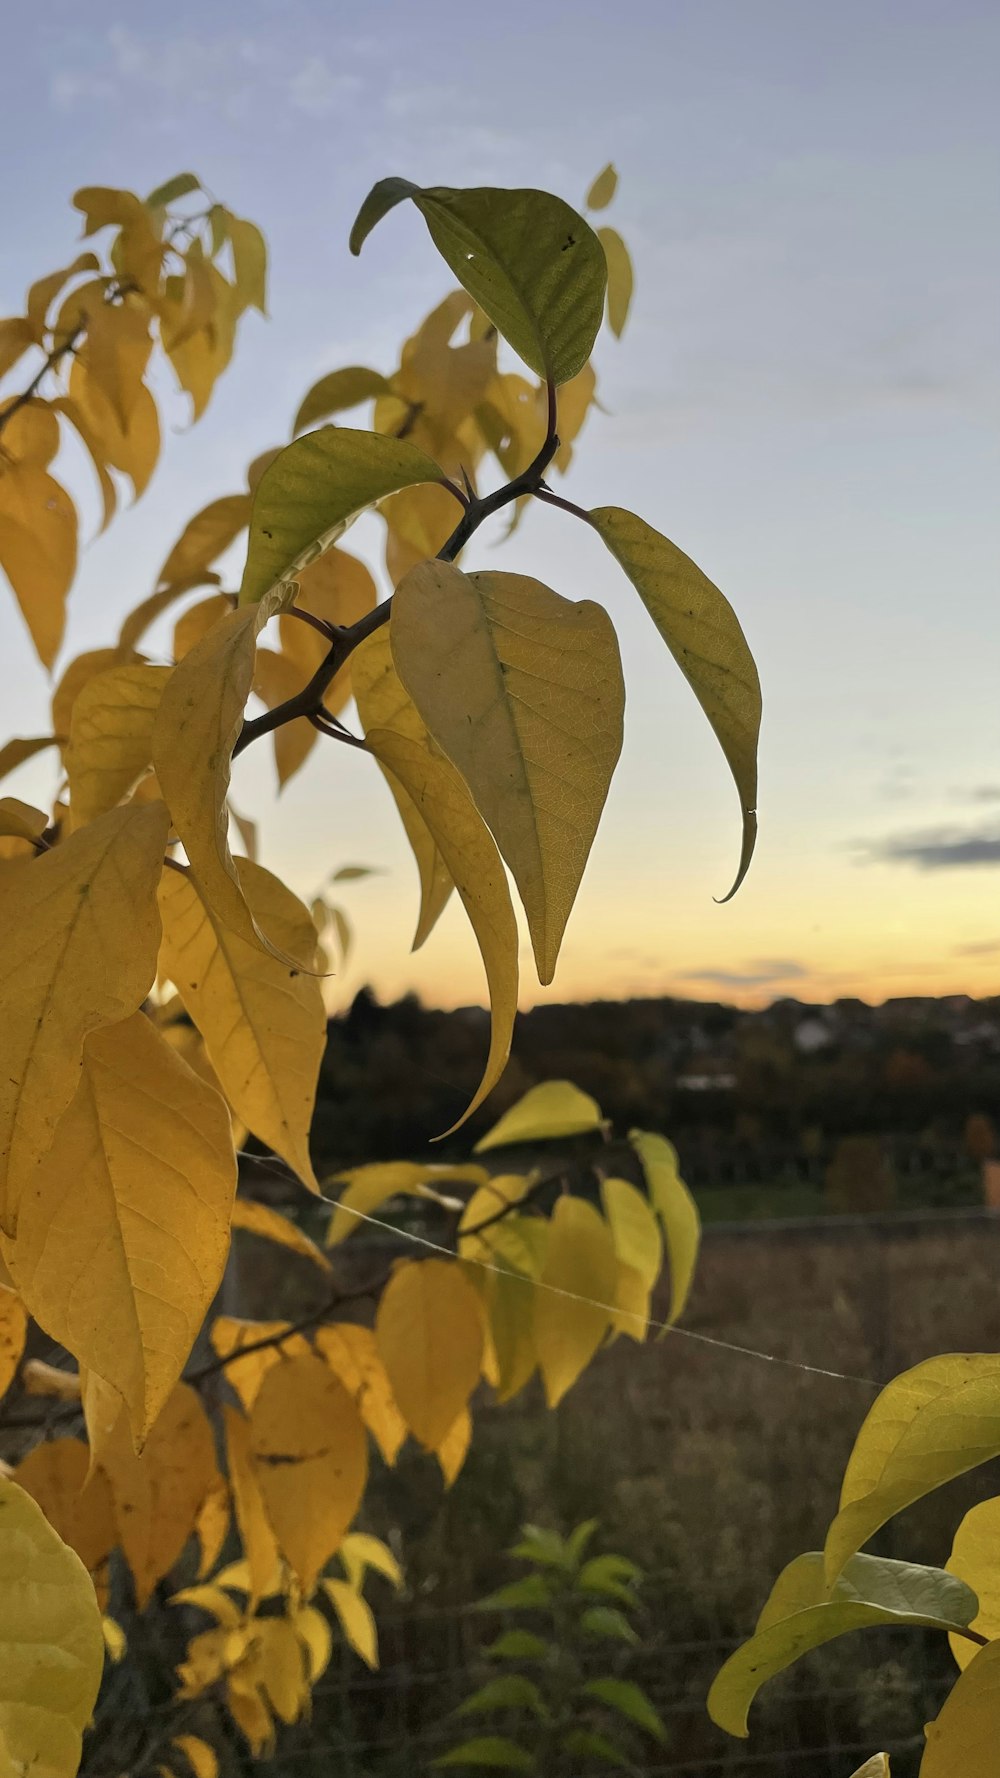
x=229 y=1336
x=703 y=634
x=204 y=537
x=116 y=354
x=13 y=1328
x=360 y=1551
x=351 y=1352
x=158 y=1495
x=509 y=1297
x=30 y=433
x=488 y=1205
x=51 y=1380
x=203 y=1759
x=38 y=527
x=314 y=1633
x=603 y=189
x=546 y=1113
x=259 y=1542
x=523 y=691
x=53 y=1645
x=63 y=404
x=249 y=1711
x=975 y=1558
x=212 y=1526
x=211 y=1600
x=114 y=1640
x=333 y=394
x=19 y=820
x=384 y=703
x=306 y=498
x=280 y=1667
x=634 y=1228
x=44 y=291
x=621 y=278
x=368 y=1188
x=79 y=933
x=580 y=1262
x=339 y=589
x=195 y=623
x=928 y=1425
x=632 y=1304
x=196 y=729
x=110 y=737
x=249 y=263
x=262 y=1019
x=75 y=1499
x=876 y=1767
x=123 y=1230
x=134 y=452
x=575 y=400
x=473 y=862
x=419 y=522
x=16 y=336
x=260 y=1219
x=430 y=1336
x=454 y=1447
x=14 y=753
x=275 y=679
x=80 y=670
x=962 y=1740
x=311 y=1453
x=676 y=1210
x=356 y=1620
x=103 y=205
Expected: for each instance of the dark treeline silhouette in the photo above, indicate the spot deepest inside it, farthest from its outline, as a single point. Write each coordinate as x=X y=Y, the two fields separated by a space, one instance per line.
x=749 y=1097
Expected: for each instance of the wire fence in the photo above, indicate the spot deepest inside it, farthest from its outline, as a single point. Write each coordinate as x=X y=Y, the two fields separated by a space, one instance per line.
x=712 y=1469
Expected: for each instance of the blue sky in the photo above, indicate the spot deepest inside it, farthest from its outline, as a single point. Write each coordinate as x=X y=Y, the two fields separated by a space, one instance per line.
x=806 y=401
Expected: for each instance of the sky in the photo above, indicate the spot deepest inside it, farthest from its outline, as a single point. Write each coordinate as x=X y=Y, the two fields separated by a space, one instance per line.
x=807 y=401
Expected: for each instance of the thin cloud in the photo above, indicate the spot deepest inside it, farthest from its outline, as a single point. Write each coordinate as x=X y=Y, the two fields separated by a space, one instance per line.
x=759 y=974
x=984 y=947
x=937 y=848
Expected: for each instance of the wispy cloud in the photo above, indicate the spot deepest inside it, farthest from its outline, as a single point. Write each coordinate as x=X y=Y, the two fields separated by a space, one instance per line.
x=762 y=972
x=317 y=89
x=936 y=848
x=983 y=947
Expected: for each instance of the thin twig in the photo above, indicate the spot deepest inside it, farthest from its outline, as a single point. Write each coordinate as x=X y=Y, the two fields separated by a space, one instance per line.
x=308 y=702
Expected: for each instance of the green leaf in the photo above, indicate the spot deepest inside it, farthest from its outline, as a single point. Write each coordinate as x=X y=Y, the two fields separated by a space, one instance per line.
x=489 y=1750
x=177 y=187
x=519 y=1645
x=630 y=1701
x=603 y=189
x=801 y=1615
x=703 y=633
x=610 y=1575
x=606 y=1621
x=537 y=1544
x=929 y=1425
x=587 y=1744
x=676 y=1210
x=307 y=497
x=621 y=278
x=581 y=1536
x=962 y=1740
x=533 y=1593
x=531 y=262
x=510 y=1691
x=335 y=393
x=523 y=690
x=546 y=1113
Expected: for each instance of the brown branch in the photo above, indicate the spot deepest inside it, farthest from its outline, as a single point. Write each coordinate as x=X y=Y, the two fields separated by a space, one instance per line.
x=53 y=358
x=325 y=1312
x=309 y=700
